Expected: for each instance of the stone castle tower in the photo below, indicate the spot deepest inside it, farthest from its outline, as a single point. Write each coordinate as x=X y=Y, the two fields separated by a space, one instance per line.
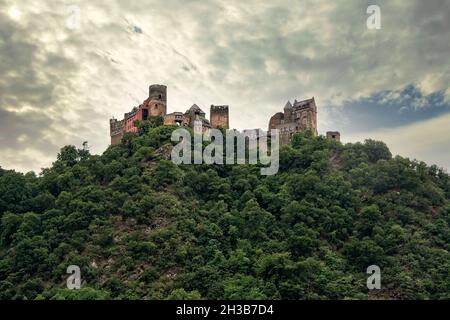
x=297 y=117
x=220 y=117
x=157 y=100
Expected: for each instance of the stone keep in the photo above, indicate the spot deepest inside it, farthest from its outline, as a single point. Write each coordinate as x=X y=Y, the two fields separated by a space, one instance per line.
x=297 y=117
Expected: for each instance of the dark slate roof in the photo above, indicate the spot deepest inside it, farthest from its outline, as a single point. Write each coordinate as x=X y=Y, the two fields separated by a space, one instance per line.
x=195 y=108
x=288 y=105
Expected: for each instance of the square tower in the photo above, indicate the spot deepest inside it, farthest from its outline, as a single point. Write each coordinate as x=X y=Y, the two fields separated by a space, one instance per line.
x=334 y=135
x=220 y=117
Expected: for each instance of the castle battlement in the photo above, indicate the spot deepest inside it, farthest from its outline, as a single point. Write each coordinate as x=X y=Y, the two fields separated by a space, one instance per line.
x=219 y=108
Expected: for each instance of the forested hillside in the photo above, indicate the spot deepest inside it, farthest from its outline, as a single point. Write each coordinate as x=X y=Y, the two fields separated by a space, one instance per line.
x=141 y=227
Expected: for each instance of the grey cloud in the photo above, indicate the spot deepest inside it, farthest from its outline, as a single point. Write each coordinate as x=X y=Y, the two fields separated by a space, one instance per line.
x=21 y=130
x=19 y=81
x=251 y=55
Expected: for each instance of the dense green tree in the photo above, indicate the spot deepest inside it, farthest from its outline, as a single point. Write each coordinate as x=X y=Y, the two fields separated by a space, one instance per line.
x=140 y=227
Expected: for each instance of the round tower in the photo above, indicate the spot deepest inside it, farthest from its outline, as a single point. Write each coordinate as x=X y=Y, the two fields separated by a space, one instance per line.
x=158 y=92
x=157 y=100
x=276 y=120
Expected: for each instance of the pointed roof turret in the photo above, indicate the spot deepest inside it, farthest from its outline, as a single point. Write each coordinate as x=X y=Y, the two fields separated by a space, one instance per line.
x=288 y=105
x=195 y=109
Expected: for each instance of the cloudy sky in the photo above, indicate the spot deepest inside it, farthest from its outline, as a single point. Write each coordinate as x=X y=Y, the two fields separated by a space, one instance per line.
x=66 y=67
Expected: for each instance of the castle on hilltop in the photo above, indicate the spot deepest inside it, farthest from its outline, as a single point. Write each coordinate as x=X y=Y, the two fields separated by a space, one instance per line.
x=297 y=117
x=156 y=105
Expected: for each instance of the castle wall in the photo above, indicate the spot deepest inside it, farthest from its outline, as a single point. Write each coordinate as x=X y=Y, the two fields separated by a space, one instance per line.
x=175 y=118
x=116 y=130
x=157 y=108
x=287 y=130
x=115 y=140
x=276 y=120
x=131 y=118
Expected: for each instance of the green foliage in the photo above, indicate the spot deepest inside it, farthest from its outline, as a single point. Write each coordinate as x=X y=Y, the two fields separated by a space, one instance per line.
x=82 y=294
x=145 y=126
x=141 y=227
x=181 y=294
